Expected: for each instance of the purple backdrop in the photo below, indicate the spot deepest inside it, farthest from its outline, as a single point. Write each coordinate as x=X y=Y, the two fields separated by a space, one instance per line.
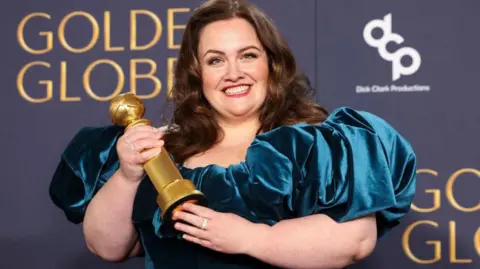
x=425 y=82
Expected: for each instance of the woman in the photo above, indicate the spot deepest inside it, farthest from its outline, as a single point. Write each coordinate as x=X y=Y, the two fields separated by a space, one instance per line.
x=288 y=185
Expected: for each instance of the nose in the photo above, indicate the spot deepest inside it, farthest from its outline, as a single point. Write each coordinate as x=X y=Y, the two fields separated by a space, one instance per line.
x=234 y=72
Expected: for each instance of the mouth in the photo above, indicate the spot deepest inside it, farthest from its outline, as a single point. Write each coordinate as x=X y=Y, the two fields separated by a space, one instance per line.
x=237 y=90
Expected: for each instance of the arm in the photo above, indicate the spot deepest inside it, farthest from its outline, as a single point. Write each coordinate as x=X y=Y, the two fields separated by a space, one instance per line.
x=96 y=182
x=311 y=242
x=315 y=241
x=375 y=170
x=108 y=229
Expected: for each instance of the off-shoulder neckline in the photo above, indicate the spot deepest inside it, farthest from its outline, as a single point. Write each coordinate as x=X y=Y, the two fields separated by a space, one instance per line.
x=256 y=140
x=241 y=164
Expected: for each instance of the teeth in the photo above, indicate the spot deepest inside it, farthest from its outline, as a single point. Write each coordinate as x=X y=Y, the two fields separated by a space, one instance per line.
x=237 y=90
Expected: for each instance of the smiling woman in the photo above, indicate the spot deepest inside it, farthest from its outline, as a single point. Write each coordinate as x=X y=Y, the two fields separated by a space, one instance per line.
x=288 y=185
x=234 y=70
x=228 y=44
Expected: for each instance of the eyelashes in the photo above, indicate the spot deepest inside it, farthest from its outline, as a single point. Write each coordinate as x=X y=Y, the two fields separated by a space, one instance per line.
x=213 y=61
x=218 y=60
x=250 y=55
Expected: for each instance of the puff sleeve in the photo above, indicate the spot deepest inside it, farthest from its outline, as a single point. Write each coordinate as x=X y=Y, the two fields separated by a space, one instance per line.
x=86 y=164
x=352 y=165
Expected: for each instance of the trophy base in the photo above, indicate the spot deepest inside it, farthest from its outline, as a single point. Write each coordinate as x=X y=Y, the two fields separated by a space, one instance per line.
x=174 y=195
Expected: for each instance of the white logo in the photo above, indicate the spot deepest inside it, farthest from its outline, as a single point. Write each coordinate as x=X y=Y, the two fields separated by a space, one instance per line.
x=381 y=44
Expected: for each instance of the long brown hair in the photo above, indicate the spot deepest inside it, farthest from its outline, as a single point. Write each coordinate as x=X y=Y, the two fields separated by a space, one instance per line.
x=193 y=127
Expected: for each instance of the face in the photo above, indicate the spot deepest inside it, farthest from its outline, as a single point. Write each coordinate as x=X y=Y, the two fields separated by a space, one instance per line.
x=234 y=68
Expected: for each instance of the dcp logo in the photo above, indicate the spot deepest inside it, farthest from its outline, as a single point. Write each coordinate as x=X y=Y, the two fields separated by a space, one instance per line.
x=381 y=44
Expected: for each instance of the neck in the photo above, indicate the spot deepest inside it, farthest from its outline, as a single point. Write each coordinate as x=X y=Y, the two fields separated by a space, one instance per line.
x=238 y=131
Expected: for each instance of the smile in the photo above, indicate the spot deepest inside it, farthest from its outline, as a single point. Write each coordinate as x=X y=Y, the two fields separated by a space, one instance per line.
x=240 y=90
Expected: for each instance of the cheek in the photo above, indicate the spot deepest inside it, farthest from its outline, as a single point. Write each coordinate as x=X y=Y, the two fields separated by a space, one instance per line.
x=210 y=79
x=259 y=71
x=263 y=78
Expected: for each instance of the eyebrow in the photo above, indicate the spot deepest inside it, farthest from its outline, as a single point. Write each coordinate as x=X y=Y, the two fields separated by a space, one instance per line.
x=239 y=51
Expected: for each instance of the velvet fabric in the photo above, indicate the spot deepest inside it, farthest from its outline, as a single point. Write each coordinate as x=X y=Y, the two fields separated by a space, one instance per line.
x=352 y=165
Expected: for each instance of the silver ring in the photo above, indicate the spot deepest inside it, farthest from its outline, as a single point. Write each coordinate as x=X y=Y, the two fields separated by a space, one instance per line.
x=204 y=224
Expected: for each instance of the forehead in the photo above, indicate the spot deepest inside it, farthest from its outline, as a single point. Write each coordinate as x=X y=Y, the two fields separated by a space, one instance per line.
x=228 y=35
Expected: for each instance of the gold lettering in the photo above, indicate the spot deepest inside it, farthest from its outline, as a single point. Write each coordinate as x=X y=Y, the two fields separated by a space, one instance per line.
x=21 y=37
x=21 y=88
x=406 y=243
x=150 y=75
x=63 y=84
x=172 y=26
x=449 y=190
x=86 y=80
x=170 y=68
x=133 y=29
x=476 y=241
x=107 y=32
x=95 y=32
x=453 y=245
x=435 y=192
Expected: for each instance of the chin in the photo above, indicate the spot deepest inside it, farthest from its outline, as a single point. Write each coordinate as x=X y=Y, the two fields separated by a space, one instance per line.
x=242 y=113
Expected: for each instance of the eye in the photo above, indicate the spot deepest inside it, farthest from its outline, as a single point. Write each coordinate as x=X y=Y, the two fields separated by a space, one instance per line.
x=250 y=56
x=214 y=61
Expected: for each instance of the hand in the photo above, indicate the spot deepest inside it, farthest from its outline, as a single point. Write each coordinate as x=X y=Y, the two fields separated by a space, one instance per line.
x=136 y=146
x=223 y=232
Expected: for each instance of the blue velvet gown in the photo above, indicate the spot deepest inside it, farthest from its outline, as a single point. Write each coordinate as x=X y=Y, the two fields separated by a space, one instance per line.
x=352 y=165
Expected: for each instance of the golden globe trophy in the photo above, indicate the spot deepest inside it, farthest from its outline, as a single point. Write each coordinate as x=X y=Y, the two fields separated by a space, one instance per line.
x=173 y=190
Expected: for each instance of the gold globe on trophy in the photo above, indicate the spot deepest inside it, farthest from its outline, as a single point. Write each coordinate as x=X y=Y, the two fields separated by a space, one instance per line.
x=173 y=190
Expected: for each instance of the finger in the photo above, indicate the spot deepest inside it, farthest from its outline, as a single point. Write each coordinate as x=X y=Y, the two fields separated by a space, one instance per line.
x=146 y=143
x=134 y=136
x=191 y=230
x=199 y=241
x=141 y=128
x=194 y=220
x=198 y=210
x=142 y=157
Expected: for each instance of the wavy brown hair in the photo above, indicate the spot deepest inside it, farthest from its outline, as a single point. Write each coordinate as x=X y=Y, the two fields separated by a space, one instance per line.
x=193 y=128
